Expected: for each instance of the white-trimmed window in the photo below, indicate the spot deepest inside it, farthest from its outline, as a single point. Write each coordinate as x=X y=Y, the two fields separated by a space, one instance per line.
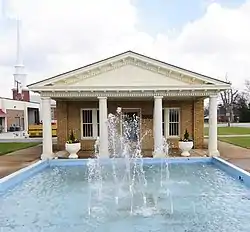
x=171 y=122
x=89 y=123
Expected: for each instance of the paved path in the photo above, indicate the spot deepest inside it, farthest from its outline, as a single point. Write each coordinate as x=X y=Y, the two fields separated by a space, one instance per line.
x=238 y=156
x=19 y=159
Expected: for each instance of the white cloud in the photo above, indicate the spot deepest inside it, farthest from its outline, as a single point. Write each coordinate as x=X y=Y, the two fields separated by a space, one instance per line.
x=59 y=37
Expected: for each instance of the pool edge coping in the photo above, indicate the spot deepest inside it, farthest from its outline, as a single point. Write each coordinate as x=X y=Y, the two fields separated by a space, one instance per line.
x=22 y=174
x=232 y=170
x=75 y=162
x=19 y=176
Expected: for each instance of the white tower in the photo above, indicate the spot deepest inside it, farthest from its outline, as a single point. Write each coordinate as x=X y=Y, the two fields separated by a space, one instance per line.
x=19 y=74
x=20 y=90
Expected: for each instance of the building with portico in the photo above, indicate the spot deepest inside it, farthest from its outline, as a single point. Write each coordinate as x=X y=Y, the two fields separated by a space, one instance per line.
x=168 y=100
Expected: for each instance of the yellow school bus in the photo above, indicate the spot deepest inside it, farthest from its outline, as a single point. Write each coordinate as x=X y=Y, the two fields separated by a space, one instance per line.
x=37 y=130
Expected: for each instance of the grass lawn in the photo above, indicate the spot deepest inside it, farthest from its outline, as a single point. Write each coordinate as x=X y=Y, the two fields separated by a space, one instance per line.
x=230 y=130
x=238 y=141
x=10 y=147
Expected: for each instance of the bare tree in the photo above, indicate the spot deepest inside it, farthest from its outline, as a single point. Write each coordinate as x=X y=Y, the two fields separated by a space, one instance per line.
x=228 y=98
x=206 y=110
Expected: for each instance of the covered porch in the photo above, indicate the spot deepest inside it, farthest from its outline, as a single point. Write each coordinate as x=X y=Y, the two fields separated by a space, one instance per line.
x=174 y=116
x=167 y=116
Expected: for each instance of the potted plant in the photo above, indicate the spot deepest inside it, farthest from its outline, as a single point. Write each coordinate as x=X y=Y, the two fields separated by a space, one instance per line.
x=186 y=144
x=72 y=146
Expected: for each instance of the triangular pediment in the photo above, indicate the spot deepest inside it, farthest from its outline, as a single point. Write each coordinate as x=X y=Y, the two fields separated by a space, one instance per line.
x=128 y=69
x=128 y=75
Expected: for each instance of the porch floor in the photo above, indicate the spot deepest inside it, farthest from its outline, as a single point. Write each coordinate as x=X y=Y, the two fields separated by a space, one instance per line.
x=146 y=153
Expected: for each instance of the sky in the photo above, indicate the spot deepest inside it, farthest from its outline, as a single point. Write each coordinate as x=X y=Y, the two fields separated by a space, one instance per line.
x=211 y=37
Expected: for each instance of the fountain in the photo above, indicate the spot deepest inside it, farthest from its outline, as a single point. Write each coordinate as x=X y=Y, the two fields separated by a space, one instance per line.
x=126 y=192
x=129 y=181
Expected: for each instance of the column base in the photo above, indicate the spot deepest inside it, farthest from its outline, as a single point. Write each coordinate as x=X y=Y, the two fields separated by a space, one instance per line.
x=104 y=155
x=159 y=154
x=215 y=153
x=45 y=156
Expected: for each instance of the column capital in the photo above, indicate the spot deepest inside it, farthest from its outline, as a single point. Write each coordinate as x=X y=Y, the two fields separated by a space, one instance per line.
x=215 y=95
x=158 y=97
x=45 y=98
x=102 y=98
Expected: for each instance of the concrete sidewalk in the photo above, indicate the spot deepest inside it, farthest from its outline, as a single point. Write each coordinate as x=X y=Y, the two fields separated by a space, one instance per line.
x=14 y=161
x=12 y=137
x=238 y=156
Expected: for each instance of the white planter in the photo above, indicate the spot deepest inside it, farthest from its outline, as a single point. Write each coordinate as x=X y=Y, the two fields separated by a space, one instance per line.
x=72 y=149
x=185 y=147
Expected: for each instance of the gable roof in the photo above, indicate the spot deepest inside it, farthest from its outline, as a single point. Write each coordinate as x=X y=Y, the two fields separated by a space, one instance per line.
x=208 y=78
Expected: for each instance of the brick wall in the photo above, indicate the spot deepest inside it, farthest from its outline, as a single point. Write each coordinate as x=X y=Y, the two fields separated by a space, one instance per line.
x=198 y=128
x=191 y=117
x=24 y=96
x=62 y=123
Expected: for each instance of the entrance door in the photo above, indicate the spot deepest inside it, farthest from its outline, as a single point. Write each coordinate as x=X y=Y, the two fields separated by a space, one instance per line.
x=131 y=126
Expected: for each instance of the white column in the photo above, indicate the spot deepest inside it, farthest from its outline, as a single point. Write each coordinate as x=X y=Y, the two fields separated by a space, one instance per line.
x=5 y=124
x=26 y=119
x=47 y=129
x=103 y=114
x=212 y=140
x=2 y=106
x=157 y=120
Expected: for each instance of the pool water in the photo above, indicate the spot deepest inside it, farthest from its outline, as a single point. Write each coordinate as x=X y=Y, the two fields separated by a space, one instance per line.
x=195 y=197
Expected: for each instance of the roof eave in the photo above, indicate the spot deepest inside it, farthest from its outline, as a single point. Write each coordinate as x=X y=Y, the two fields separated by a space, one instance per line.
x=129 y=88
x=128 y=53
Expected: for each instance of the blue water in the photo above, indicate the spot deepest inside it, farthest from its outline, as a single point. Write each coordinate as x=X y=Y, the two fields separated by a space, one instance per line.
x=203 y=198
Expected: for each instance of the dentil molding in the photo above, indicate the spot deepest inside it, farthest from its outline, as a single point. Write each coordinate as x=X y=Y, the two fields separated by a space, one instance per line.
x=89 y=94
x=123 y=62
